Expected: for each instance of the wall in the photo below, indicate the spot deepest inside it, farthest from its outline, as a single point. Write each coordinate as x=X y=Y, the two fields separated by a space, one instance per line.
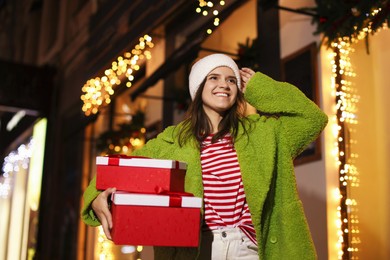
x=373 y=145
x=242 y=24
x=296 y=31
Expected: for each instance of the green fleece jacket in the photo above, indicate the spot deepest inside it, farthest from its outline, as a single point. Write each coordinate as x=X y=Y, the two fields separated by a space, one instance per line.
x=265 y=156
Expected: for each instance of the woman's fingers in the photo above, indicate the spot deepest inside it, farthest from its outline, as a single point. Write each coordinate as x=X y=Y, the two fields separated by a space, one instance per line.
x=246 y=74
x=102 y=211
x=108 y=217
x=106 y=228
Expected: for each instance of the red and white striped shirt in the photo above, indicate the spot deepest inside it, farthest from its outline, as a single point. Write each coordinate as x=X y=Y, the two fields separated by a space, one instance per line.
x=224 y=196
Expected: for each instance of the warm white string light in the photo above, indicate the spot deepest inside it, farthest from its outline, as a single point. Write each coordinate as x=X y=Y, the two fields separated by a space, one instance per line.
x=98 y=91
x=347 y=220
x=12 y=162
x=345 y=108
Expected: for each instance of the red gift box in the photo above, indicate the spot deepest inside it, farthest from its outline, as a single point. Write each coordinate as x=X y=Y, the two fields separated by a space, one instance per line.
x=139 y=174
x=155 y=220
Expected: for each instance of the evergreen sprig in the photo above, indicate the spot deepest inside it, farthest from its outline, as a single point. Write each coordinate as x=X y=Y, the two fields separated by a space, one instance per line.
x=121 y=136
x=347 y=18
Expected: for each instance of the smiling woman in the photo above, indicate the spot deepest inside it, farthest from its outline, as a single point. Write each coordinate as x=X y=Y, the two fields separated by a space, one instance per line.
x=240 y=165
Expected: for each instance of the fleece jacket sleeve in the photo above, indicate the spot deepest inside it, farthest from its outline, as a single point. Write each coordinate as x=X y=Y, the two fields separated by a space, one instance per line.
x=87 y=214
x=300 y=118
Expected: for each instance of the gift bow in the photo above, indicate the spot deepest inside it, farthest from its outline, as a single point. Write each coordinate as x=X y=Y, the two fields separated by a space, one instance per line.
x=114 y=159
x=175 y=198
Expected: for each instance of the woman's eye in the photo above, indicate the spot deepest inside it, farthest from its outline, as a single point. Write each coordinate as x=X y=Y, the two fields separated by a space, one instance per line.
x=232 y=81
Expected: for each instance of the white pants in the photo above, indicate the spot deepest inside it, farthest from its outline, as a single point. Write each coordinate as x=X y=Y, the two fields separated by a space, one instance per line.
x=227 y=244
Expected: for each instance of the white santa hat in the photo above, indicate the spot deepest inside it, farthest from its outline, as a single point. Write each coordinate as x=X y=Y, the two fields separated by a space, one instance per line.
x=204 y=66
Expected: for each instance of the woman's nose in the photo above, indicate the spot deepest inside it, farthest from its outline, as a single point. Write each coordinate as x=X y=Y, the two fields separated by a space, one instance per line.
x=223 y=83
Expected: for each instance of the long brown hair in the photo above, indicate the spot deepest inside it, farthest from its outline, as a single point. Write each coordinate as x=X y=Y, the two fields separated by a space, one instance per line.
x=198 y=124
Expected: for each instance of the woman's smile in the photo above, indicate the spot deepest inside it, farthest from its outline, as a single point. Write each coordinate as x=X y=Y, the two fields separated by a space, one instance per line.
x=220 y=91
x=221 y=94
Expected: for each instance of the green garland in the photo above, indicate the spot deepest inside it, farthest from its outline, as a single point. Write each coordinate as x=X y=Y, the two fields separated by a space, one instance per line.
x=347 y=18
x=106 y=142
x=248 y=55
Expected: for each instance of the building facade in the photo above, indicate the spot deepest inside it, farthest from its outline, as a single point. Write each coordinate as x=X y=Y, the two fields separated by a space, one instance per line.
x=67 y=48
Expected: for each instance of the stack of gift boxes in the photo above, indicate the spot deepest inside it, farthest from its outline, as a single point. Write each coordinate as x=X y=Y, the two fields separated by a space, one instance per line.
x=150 y=206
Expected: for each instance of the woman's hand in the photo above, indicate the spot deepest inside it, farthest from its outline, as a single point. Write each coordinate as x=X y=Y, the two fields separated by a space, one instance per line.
x=100 y=207
x=246 y=74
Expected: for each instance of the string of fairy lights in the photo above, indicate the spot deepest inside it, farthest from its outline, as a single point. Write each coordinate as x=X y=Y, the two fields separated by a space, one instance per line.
x=98 y=91
x=347 y=220
x=12 y=162
x=344 y=121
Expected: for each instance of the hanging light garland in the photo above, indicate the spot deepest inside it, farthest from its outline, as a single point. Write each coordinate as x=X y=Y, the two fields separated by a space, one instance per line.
x=15 y=159
x=208 y=7
x=347 y=219
x=98 y=91
x=344 y=121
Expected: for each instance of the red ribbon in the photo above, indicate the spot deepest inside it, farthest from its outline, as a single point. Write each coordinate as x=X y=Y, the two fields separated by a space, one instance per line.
x=114 y=159
x=175 y=198
x=175 y=201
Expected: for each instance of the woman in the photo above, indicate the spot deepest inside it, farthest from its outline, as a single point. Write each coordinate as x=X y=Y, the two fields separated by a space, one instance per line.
x=242 y=166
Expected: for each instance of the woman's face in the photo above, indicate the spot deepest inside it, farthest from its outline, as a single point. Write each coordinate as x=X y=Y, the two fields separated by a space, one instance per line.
x=220 y=91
